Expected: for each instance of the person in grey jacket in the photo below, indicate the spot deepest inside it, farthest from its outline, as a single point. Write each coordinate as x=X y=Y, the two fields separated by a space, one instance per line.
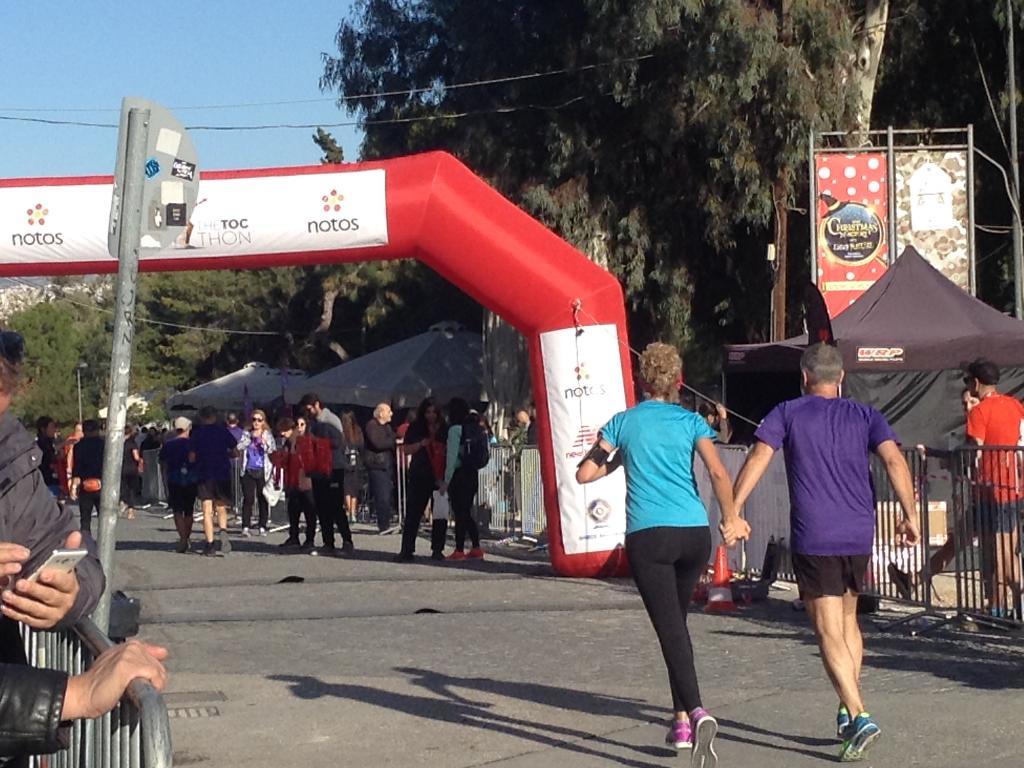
x=327 y=491
x=32 y=525
x=31 y=518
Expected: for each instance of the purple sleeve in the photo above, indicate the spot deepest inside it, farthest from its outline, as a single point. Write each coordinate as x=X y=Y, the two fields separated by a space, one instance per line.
x=879 y=430
x=611 y=430
x=772 y=431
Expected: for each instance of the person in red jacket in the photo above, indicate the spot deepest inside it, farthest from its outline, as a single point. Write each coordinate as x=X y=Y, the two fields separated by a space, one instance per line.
x=290 y=464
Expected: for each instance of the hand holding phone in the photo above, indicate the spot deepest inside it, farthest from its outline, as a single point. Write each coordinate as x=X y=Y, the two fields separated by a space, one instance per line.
x=45 y=597
x=62 y=560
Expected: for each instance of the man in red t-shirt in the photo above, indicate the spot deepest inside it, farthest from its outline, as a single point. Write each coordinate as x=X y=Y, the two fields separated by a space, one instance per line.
x=998 y=420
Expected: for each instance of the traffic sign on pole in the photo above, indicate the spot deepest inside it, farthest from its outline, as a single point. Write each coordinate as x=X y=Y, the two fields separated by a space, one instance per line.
x=171 y=172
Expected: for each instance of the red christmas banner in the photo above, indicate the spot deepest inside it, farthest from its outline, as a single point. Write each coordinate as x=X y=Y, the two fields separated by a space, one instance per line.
x=852 y=213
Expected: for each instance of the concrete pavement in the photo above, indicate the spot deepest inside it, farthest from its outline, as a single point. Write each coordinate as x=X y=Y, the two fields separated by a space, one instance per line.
x=371 y=663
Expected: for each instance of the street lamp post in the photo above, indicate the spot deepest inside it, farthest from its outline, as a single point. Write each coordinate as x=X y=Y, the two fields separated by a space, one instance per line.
x=78 y=372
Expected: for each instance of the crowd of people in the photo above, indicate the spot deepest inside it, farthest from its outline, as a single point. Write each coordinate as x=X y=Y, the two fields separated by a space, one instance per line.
x=315 y=461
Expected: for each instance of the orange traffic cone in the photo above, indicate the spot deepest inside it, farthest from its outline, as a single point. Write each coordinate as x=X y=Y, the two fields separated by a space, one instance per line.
x=720 y=594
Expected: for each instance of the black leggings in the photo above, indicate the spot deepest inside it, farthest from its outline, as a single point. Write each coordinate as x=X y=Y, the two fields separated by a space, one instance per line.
x=418 y=491
x=252 y=491
x=461 y=492
x=301 y=503
x=667 y=563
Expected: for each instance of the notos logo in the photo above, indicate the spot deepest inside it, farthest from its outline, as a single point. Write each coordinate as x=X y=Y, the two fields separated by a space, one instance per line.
x=331 y=203
x=38 y=215
x=583 y=386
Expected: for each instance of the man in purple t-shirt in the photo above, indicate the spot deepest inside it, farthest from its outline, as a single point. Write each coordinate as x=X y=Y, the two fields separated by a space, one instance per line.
x=212 y=448
x=826 y=442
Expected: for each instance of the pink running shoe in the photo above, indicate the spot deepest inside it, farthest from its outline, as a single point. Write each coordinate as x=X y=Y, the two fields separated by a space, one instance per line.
x=679 y=734
x=705 y=728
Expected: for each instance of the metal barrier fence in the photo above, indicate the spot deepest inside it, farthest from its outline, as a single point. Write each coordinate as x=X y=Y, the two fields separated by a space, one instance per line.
x=136 y=734
x=970 y=505
x=986 y=531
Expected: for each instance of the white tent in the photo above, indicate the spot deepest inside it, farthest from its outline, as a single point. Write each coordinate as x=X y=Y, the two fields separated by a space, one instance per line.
x=444 y=362
x=254 y=384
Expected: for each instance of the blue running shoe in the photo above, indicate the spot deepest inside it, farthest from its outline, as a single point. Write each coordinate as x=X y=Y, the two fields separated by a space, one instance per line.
x=862 y=733
x=842 y=722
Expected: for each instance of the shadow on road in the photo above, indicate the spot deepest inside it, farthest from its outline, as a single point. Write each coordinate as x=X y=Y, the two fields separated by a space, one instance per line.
x=448 y=703
x=983 y=662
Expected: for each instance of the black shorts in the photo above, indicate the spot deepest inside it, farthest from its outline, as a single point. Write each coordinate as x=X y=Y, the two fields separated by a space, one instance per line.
x=220 y=491
x=181 y=498
x=830 y=575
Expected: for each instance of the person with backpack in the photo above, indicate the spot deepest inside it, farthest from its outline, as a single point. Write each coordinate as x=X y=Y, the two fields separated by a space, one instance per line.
x=468 y=453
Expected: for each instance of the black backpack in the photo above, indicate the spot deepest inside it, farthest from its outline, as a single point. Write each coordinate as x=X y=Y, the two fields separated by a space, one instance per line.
x=475 y=450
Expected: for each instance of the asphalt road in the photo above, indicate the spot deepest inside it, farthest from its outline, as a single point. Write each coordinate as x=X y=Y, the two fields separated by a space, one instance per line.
x=365 y=662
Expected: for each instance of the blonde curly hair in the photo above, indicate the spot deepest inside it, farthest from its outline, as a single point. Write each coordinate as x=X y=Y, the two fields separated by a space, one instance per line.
x=661 y=368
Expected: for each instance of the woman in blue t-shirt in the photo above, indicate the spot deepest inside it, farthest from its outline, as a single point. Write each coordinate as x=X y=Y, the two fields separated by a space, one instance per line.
x=668 y=541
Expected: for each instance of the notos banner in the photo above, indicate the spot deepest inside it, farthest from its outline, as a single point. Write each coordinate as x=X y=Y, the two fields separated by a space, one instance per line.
x=852 y=213
x=233 y=216
x=583 y=379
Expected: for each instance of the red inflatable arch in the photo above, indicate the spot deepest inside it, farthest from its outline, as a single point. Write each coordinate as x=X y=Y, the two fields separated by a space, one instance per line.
x=432 y=208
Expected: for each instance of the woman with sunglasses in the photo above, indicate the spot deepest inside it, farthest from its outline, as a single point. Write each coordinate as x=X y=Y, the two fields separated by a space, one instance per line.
x=425 y=444
x=255 y=448
x=293 y=456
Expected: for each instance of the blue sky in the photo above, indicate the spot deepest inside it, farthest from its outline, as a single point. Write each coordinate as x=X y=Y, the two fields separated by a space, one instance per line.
x=88 y=55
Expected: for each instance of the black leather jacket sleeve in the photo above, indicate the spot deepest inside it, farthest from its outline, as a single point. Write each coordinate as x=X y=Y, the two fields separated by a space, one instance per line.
x=31 y=701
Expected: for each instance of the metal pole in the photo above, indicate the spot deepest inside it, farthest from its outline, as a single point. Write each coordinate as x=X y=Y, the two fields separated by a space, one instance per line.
x=121 y=353
x=78 y=373
x=1018 y=239
x=971 y=252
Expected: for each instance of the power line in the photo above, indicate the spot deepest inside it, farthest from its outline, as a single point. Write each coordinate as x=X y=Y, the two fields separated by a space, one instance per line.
x=306 y=126
x=338 y=99
x=149 y=320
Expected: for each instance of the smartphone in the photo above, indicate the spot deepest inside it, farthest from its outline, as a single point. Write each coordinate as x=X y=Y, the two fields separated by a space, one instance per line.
x=60 y=560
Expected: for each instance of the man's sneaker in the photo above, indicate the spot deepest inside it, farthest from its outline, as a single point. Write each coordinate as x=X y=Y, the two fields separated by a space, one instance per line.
x=475 y=554
x=210 y=549
x=245 y=533
x=348 y=548
x=325 y=551
x=307 y=545
x=861 y=734
x=842 y=722
x=182 y=546
x=263 y=531
x=403 y=557
x=439 y=556
x=225 y=543
x=705 y=728
x=679 y=735
x=458 y=554
x=289 y=543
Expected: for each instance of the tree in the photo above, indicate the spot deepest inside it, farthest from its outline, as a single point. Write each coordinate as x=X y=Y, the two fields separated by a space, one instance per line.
x=664 y=142
x=59 y=336
x=333 y=153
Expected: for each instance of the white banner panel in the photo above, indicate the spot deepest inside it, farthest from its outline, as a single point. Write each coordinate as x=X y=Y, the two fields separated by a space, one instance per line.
x=234 y=217
x=583 y=375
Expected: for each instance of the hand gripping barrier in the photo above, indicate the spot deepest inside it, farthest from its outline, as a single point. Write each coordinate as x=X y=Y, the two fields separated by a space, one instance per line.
x=136 y=734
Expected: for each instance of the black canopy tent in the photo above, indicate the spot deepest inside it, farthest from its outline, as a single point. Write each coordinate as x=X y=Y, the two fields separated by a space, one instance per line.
x=902 y=342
